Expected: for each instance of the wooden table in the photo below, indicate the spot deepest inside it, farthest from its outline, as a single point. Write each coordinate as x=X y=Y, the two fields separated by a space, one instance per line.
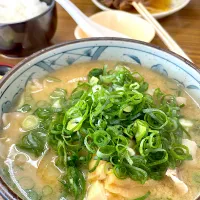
x=184 y=27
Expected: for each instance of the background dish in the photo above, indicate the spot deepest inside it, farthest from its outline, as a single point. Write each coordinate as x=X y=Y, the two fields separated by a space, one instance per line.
x=132 y=26
x=175 y=7
x=122 y=50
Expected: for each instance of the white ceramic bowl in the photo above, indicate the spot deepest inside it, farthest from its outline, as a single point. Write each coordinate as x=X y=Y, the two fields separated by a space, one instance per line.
x=48 y=60
x=176 y=5
x=132 y=26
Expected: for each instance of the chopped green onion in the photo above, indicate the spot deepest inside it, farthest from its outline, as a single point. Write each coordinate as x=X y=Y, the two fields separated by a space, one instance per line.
x=25 y=108
x=74 y=183
x=140 y=129
x=89 y=145
x=32 y=194
x=57 y=105
x=105 y=152
x=47 y=190
x=52 y=79
x=157 y=157
x=134 y=86
x=95 y=166
x=26 y=183
x=95 y=73
x=30 y=122
x=180 y=152
x=72 y=124
x=156 y=118
x=94 y=80
x=34 y=142
x=137 y=174
x=43 y=113
x=120 y=140
x=155 y=140
x=144 y=146
x=144 y=197
x=101 y=138
x=114 y=159
x=58 y=93
x=110 y=118
x=120 y=171
x=185 y=131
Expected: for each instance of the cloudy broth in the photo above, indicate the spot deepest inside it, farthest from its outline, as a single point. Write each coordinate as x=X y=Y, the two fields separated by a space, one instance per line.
x=38 y=177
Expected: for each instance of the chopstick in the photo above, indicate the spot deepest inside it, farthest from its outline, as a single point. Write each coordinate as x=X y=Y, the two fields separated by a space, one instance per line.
x=162 y=33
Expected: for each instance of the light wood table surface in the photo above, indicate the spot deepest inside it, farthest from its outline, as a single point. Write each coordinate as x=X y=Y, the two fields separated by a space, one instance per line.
x=183 y=26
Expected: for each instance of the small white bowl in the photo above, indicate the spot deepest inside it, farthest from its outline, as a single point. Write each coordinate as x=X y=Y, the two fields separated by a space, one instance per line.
x=132 y=26
x=176 y=5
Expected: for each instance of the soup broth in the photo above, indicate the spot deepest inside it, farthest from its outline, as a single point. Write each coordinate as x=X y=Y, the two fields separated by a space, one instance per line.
x=39 y=177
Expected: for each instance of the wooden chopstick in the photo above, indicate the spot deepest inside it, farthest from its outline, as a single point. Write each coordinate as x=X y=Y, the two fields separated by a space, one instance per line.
x=162 y=33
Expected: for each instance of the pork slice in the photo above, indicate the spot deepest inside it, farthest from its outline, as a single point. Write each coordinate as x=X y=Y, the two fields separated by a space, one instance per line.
x=181 y=187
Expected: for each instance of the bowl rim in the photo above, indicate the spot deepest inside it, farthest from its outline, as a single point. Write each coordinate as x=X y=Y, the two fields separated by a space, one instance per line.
x=53 y=3
x=43 y=51
x=7 y=192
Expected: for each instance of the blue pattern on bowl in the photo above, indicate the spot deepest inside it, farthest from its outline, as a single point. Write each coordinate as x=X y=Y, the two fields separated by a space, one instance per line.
x=135 y=58
x=160 y=69
x=85 y=51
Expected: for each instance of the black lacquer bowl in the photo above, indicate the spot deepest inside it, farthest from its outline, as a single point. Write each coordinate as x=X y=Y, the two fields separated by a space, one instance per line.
x=24 y=38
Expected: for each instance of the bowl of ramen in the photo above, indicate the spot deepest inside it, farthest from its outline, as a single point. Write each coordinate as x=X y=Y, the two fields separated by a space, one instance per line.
x=101 y=118
x=26 y=26
x=158 y=8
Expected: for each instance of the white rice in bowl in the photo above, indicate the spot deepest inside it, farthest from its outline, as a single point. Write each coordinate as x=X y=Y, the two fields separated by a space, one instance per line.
x=12 y=11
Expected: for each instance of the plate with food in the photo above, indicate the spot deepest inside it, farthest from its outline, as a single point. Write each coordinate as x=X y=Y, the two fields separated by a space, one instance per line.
x=158 y=8
x=100 y=119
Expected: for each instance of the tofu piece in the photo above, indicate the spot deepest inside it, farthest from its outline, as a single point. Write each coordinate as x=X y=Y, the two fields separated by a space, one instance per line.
x=97 y=191
x=181 y=187
x=192 y=146
x=181 y=100
x=150 y=91
x=186 y=123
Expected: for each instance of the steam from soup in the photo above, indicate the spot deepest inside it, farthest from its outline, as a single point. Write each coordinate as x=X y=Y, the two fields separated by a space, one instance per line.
x=38 y=176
